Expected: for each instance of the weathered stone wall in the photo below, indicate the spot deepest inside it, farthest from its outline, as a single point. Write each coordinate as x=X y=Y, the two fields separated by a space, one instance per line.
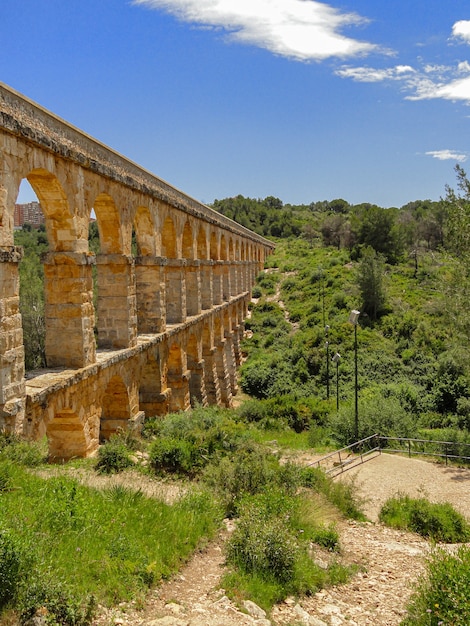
x=192 y=273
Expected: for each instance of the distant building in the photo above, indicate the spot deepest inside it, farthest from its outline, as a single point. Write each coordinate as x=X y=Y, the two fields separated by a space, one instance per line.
x=29 y=213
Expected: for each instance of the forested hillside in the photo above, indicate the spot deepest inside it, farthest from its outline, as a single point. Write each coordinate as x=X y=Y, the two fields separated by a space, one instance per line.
x=406 y=271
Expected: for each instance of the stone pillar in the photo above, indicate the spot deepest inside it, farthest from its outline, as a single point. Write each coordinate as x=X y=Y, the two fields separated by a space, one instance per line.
x=12 y=381
x=69 y=312
x=241 y=276
x=217 y=282
x=179 y=385
x=233 y=278
x=211 y=380
x=226 y=281
x=151 y=294
x=197 y=388
x=117 y=308
x=207 y=291
x=231 y=363
x=236 y=334
x=223 y=374
x=175 y=291
x=193 y=288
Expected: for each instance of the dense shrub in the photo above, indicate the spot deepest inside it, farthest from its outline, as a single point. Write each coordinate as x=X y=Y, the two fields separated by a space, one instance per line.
x=113 y=456
x=436 y=521
x=248 y=472
x=26 y=453
x=443 y=593
x=264 y=547
x=172 y=455
x=57 y=603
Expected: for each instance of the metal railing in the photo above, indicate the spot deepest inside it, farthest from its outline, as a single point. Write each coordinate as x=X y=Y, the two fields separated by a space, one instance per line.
x=448 y=450
x=351 y=456
x=339 y=461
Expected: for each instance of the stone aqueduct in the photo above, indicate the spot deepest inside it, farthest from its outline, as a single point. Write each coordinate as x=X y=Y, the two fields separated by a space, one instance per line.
x=168 y=321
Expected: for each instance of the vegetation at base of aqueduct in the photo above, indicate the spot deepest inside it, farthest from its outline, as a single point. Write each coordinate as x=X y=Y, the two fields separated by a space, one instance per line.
x=407 y=271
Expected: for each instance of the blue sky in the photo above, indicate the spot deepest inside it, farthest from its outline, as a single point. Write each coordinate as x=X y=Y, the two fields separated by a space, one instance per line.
x=366 y=100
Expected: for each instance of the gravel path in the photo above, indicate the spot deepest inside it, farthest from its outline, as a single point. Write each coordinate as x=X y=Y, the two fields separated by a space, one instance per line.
x=390 y=562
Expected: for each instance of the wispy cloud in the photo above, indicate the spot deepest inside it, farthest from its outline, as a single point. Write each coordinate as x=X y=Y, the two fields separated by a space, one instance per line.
x=427 y=81
x=302 y=30
x=447 y=155
x=374 y=75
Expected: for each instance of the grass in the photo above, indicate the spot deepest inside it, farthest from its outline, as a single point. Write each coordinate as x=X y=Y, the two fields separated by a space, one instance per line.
x=110 y=545
x=437 y=521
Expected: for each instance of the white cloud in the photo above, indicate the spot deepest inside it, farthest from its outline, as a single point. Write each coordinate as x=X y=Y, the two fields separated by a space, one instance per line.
x=429 y=82
x=298 y=29
x=461 y=30
x=446 y=155
x=372 y=75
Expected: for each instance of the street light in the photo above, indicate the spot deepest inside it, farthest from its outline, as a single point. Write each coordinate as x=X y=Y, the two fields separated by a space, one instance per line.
x=353 y=319
x=336 y=358
x=327 y=346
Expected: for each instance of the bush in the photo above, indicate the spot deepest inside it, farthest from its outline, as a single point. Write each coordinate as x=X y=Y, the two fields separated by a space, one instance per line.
x=247 y=472
x=57 y=603
x=264 y=547
x=28 y=454
x=443 y=593
x=172 y=455
x=436 y=521
x=113 y=456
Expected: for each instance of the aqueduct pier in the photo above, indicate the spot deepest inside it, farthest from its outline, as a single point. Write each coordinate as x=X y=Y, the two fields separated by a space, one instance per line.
x=159 y=328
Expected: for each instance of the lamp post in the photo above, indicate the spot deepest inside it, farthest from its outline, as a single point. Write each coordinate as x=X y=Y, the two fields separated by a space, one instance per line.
x=327 y=346
x=336 y=359
x=353 y=319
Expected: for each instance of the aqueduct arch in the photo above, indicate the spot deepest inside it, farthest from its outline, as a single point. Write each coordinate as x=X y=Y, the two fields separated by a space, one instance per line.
x=169 y=312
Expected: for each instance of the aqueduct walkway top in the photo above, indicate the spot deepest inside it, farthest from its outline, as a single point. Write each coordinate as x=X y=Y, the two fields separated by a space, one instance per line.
x=159 y=328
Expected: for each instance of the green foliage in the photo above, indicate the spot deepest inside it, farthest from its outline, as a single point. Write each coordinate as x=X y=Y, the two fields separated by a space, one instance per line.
x=436 y=521
x=248 y=472
x=270 y=548
x=342 y=494
x=57 y=603
x=10 y=568
x=31 y=271
x=378 y=413
x=371 y=282
x=63 y=543
x=25 y=453
x=113 y=456
x=172 y=455
x=185 y=446
x=443 y=593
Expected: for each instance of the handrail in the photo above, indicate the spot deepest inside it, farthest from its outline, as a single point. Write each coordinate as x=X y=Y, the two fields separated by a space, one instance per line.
x=342 y=463
x=446 y=447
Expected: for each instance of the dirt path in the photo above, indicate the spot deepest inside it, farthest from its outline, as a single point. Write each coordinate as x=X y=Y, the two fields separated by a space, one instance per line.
x=390 y=561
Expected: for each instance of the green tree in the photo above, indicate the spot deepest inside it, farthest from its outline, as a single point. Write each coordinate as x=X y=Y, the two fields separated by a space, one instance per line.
x=378 y=228
x=371 y=284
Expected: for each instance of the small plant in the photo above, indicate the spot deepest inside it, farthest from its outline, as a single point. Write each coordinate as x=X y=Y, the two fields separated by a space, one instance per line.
x=113 y=457
x=443 y=593
x=56 y=603
x=436 y=521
